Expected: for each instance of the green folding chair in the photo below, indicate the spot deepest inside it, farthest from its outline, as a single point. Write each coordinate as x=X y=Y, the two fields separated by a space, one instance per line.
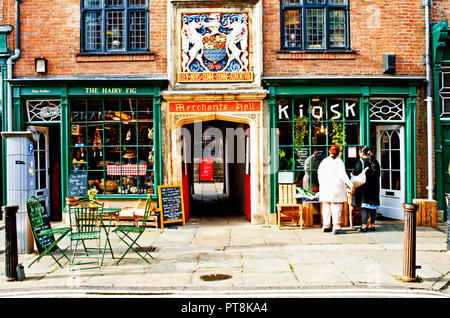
x=123 y=232
x=44 y=237
x=87 y=216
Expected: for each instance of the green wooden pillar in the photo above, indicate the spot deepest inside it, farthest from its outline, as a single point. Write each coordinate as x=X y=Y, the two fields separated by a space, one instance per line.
x=410 y=145
x=65 y=144
x=364 y=106
x=17 y=110
x=273 y=149
x=439 y=158
x=157 y=137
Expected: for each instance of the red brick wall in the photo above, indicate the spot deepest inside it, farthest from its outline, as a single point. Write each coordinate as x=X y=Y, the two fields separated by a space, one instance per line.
x=376 y=27
x=440 y=10
x=52 y=29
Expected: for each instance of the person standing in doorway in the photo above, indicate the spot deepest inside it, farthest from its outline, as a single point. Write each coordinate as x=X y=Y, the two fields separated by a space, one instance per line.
x=368 y=194
x=332 y=190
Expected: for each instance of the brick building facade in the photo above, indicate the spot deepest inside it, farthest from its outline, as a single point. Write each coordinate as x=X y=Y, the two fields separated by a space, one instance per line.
x=302 y=59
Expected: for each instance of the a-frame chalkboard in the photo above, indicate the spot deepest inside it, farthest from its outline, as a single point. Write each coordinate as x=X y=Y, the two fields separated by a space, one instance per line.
x=171 y=204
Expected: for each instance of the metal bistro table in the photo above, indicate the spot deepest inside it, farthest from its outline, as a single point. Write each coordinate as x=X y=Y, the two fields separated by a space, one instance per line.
x=109 y=212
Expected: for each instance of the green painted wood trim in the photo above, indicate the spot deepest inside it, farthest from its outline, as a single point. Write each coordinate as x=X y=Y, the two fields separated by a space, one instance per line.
x=157 y=138
x=65 y=145
x=318 y=90
x=17 y=110
x=439 y=35
x=273 y=151
x=364 y=120
x=438 y=133
x=410 y=153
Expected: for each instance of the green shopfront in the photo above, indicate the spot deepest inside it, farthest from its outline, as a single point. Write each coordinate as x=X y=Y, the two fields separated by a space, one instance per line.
x=107 y=129
x=308 y=115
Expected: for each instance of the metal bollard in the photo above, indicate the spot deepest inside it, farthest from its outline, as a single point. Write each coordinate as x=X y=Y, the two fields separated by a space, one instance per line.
x=11 y=257
x=409 y=243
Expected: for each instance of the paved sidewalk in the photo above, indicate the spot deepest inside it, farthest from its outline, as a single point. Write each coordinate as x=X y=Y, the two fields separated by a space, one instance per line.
x=258 y=259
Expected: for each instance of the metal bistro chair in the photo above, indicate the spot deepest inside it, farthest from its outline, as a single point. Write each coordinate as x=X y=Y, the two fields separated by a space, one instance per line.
x=123 y=233
x=87 y=216
x=44 y=237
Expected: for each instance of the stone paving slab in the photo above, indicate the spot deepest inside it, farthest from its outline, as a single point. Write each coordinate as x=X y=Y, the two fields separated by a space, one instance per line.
x=255 y=256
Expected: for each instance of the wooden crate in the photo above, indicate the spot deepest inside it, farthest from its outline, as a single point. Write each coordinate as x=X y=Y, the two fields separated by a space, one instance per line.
x=152 y=220
x=289 y=215
x=312 y=214
x=125 y=217
x=426 y=214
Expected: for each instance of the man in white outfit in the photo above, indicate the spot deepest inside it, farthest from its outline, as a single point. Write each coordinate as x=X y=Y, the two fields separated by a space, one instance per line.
x=332 y=191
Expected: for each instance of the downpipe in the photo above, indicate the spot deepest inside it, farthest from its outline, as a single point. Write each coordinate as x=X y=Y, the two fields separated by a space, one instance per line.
x=9 y=67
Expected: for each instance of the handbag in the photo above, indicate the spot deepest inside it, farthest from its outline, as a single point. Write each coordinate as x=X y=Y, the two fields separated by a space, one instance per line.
x=360 y=179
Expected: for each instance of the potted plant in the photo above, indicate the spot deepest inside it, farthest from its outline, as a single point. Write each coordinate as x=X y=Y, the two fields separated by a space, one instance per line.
x=338 y=137
x=300 y=129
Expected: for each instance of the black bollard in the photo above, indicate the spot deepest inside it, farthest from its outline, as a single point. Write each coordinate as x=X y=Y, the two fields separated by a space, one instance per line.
x=409 y=243
x=11 y=257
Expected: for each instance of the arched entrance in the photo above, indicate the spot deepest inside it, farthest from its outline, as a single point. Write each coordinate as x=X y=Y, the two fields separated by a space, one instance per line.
x=215 y=167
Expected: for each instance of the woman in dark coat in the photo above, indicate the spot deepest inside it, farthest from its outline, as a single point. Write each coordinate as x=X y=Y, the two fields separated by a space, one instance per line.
x=368 y=195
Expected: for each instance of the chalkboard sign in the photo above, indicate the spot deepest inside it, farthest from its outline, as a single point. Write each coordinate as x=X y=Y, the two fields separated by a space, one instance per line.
x=301 y=154
x=78 y=184
x=45 y=240
x=171 y=204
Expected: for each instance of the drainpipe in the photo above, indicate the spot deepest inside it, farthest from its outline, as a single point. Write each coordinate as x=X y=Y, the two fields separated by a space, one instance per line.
x=429 y=101
x=9 y=66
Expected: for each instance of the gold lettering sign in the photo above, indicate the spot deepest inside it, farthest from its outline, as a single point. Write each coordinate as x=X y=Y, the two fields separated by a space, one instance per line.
x=110 y=90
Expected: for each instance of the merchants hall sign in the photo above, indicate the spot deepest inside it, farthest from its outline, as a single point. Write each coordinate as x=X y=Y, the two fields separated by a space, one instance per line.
x=207 y=107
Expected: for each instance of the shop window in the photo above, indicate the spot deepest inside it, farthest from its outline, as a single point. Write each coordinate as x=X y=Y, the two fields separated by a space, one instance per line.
x=315 y=24
x=307 y=127
x=112 y=140
x=111 y=26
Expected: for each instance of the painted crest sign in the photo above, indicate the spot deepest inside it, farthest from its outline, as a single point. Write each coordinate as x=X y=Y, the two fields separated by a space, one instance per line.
x=214 y=48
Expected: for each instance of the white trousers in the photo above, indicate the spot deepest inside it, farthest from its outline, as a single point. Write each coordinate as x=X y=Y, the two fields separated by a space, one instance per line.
x=331 y=210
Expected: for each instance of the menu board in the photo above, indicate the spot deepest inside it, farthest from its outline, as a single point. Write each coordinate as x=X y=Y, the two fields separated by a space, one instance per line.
x=301 y=154
x=78 y=184
x=171 y=204
x=45 y=240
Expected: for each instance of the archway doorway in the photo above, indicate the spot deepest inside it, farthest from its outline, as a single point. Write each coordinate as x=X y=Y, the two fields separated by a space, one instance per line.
x=216 y=168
